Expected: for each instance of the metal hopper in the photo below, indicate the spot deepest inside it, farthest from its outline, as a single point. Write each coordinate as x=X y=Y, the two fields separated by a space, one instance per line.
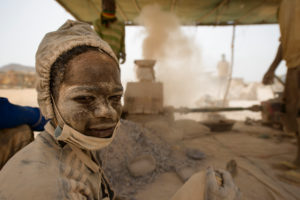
x=146 y=95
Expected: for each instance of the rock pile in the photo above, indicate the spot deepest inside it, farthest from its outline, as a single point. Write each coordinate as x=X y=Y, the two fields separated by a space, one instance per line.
x=138 y=155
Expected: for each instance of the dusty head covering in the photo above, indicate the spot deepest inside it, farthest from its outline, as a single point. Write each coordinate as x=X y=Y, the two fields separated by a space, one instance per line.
x=68 y=36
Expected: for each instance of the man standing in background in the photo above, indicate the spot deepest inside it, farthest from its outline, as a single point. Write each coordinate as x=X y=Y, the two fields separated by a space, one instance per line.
x=289 y=50
x=111 y=30
x=223 y=75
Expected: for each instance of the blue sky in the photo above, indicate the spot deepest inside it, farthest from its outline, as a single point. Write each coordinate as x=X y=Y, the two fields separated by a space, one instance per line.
x=24 y=23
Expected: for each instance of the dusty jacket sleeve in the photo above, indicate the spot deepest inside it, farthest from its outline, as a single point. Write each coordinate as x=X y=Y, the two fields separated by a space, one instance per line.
x=12 y=115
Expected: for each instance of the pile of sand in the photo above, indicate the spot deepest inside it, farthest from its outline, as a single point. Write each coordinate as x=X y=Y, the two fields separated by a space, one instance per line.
x=133 y=141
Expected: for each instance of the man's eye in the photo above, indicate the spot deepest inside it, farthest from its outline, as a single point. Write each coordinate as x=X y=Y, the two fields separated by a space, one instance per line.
x=84 y=99
x=115 y=98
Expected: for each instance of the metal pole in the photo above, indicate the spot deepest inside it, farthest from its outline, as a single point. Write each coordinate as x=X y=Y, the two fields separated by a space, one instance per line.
x=231 y=66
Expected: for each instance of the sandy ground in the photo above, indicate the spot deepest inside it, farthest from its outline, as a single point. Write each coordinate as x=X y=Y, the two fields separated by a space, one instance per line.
x=248 y=145
x=255 y=157
x=24 y=97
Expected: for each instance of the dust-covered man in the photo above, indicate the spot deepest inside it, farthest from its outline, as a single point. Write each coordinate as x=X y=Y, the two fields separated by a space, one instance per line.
x=79 y=89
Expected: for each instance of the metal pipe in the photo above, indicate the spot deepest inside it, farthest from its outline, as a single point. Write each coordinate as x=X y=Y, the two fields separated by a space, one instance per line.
x=184 y=110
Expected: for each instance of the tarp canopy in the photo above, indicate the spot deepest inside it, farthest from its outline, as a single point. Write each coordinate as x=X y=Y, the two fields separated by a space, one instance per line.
x=190 y=12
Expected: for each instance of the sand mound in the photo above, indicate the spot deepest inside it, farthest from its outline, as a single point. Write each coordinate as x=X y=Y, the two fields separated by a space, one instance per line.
x=191 y=128
x=165 y=130
x=132 y=141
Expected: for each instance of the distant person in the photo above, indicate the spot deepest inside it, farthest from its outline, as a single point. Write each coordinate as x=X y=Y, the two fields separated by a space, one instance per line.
x=223 y=68
x=289 y=50
x=111 y=30
x=14 y=135
x=223 y=75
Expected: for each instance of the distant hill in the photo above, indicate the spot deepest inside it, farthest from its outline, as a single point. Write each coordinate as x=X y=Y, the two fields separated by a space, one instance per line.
x=17 y=68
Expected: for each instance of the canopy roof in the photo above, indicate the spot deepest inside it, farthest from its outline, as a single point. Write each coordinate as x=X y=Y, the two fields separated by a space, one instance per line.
x=190 y=12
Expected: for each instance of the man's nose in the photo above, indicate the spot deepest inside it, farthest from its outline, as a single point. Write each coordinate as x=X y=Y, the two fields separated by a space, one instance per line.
x=104 y=110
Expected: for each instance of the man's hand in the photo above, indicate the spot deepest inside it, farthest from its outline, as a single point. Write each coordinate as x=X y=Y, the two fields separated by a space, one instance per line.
x=268 y=77
x=221 y=189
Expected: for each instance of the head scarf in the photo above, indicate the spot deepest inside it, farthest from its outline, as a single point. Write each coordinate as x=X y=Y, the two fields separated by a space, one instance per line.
x=71 y=34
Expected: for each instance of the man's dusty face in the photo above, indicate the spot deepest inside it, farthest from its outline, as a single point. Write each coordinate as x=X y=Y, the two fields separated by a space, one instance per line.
x=89 y=98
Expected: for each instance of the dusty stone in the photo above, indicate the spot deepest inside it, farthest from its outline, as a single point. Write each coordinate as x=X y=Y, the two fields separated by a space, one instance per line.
x=231 y=167
x=142 y=165
x=195 y=154
x=185 y=173
x=132 y=141
x=191 y=129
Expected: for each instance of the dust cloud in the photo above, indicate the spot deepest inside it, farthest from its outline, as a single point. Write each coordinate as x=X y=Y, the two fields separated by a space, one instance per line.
x=178 y=57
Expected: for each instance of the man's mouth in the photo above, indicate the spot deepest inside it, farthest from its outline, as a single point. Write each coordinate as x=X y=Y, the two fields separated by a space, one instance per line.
x=101 y=131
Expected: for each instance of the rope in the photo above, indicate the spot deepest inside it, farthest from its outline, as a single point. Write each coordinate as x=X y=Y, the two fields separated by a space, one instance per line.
x=231 y=66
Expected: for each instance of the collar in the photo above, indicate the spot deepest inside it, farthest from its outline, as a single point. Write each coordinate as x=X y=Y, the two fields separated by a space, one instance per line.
x=84 y=156
x=49 y=128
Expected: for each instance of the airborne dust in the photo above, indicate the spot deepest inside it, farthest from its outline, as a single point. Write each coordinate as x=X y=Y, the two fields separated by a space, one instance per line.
x=178 y=58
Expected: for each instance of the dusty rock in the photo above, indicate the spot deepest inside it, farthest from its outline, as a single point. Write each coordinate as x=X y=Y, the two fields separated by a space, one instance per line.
x=231 y=167
x=190 y=128
x=185 y=173
x=195 y=154
x=133 y=140
x=142 y=165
